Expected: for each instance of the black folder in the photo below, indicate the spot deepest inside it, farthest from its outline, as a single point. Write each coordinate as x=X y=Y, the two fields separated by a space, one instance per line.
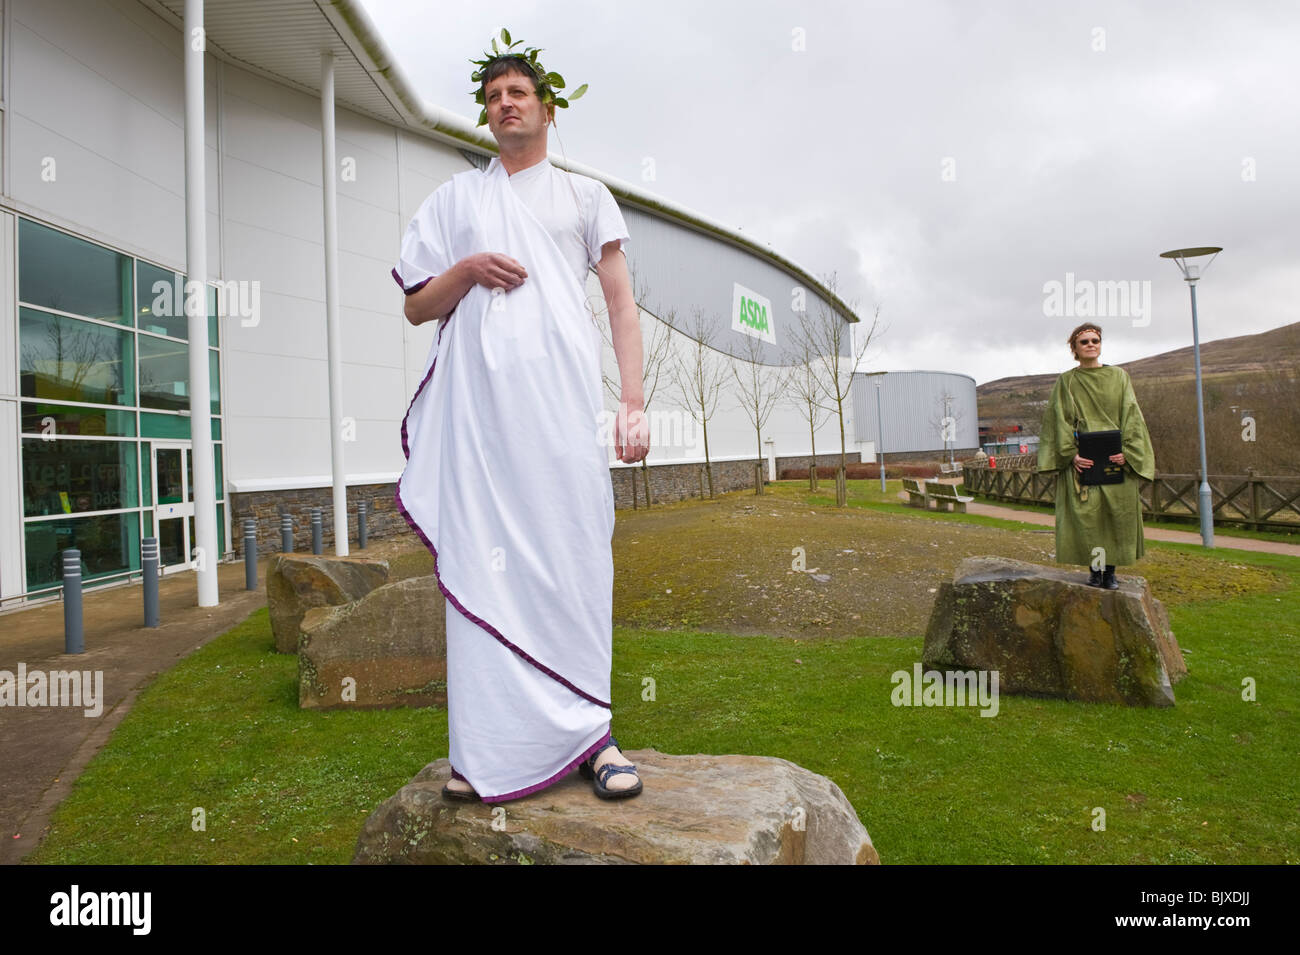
x=1097 y=447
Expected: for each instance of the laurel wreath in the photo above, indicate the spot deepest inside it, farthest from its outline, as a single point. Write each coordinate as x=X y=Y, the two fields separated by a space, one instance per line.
x=549 y=84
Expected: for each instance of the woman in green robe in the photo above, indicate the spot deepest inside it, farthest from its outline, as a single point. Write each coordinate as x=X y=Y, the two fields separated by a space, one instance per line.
x=1095 y=397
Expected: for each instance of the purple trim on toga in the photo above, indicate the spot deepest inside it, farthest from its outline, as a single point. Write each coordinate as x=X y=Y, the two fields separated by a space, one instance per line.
x=413 y=289
x=529 y=790
x=397 y=497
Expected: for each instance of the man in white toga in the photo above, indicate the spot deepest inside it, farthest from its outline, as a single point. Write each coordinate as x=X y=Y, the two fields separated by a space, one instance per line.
x=506 y=479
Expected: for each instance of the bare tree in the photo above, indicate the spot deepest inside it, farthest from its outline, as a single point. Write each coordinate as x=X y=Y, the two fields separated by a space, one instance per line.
x=74 y=362
x=829 y=338
x=654 y=357
x=946 y=421
x=698 y=377
x=805 y=393
x=761 y=386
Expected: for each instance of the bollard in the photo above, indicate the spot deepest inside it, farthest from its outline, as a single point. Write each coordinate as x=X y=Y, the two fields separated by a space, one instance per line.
x=73 y=638
x=361 y=525
x=286 y=534
x=149 y=562
x=250 y=554
x=316 y=547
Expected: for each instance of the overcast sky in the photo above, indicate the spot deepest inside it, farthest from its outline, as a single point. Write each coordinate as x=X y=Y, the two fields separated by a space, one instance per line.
x=946 y=159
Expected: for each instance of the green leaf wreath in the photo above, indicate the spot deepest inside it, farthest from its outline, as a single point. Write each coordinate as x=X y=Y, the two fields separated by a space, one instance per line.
x=550 y=83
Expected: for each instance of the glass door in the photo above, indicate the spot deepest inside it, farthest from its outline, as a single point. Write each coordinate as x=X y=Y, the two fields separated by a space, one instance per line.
x=173 y=494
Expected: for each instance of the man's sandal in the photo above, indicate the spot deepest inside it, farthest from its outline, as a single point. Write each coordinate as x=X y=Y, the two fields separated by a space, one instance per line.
x=601 y=777
x=460 y=795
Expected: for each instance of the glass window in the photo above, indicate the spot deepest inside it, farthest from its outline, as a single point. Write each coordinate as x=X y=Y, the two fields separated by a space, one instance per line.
x=165 y=375
x=160 y=301
x=146 y=474
x=172 y=426
x=109 y=544
x=59 y=271
x=170 y=486
x=69 y=477
x=68 y=420
x=216 y=461
x=214 y=381
x=70 y=360
x=213 y=324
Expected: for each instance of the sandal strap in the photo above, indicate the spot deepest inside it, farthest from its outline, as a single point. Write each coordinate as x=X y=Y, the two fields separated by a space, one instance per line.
x=609 y=769
x=591 y=760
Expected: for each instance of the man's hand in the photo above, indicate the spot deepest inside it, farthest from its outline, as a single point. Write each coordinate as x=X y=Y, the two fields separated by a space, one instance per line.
x=494 y=270
x=1082 y=464
x=443 y=293
x=1117 y=459
x=631 y=433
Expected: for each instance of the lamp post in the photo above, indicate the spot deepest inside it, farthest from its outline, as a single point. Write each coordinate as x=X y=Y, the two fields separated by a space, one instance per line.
x=949 y=439
x=1191 y=274
x=880 y=434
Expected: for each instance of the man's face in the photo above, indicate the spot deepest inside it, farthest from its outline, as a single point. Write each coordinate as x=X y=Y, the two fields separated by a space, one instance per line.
x=515 y=114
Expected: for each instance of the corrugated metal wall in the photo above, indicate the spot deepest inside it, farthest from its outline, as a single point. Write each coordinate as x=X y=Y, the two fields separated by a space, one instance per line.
x=913 y=408
x=678 y=269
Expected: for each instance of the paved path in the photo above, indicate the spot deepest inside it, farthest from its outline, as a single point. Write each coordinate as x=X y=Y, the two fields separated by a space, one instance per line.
x=44 y=749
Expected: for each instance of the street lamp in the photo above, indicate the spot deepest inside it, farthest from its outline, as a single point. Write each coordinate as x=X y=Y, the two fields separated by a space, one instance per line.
x=880 y=433
x=1192 y=273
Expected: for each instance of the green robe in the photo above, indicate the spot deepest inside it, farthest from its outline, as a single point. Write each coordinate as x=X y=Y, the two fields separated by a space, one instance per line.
x=1105 y=515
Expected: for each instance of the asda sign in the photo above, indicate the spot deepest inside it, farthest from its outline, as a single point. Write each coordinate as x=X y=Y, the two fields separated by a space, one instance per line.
x=751 y=314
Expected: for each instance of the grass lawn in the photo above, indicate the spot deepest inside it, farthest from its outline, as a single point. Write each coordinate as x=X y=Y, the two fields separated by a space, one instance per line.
x=1210 y=781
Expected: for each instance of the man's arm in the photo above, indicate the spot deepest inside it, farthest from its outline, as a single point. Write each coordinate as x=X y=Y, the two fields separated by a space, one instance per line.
x=625 y=326
x=442 y=293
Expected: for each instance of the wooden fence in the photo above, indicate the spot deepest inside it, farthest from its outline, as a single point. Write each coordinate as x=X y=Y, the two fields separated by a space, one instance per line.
x=1249 y=500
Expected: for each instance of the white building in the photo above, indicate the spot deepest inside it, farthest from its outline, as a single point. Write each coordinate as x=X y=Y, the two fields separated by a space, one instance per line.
x=931 y=413
x=94 y=362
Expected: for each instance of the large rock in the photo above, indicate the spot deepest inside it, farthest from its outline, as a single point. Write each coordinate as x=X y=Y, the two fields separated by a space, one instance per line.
x=1048 y=633
x=295 y=583
x=387 y=649
x=694 y=809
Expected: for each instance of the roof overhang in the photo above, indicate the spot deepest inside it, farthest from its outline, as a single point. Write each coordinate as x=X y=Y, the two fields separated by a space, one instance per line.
x=284 y=39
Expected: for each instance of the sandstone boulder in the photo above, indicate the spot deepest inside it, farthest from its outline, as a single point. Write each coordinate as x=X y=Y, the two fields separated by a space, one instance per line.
x=1048 y=633
x=694 y=809
x=388 y=649
x=295 y=583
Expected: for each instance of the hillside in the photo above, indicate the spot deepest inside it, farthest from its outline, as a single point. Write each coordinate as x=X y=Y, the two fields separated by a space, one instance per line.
x=1242 y=359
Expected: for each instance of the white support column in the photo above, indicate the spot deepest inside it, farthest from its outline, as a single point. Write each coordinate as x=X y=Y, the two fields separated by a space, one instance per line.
x=329 y=179
x=204 y=556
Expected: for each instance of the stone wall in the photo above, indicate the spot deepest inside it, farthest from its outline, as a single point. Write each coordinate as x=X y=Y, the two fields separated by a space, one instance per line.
x=668 y=482
x=383 y=519
x=830 y=460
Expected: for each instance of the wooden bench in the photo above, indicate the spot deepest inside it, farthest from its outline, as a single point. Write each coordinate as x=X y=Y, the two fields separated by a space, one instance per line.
x=945 y=497
x=946 y=468
x=916 y=493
